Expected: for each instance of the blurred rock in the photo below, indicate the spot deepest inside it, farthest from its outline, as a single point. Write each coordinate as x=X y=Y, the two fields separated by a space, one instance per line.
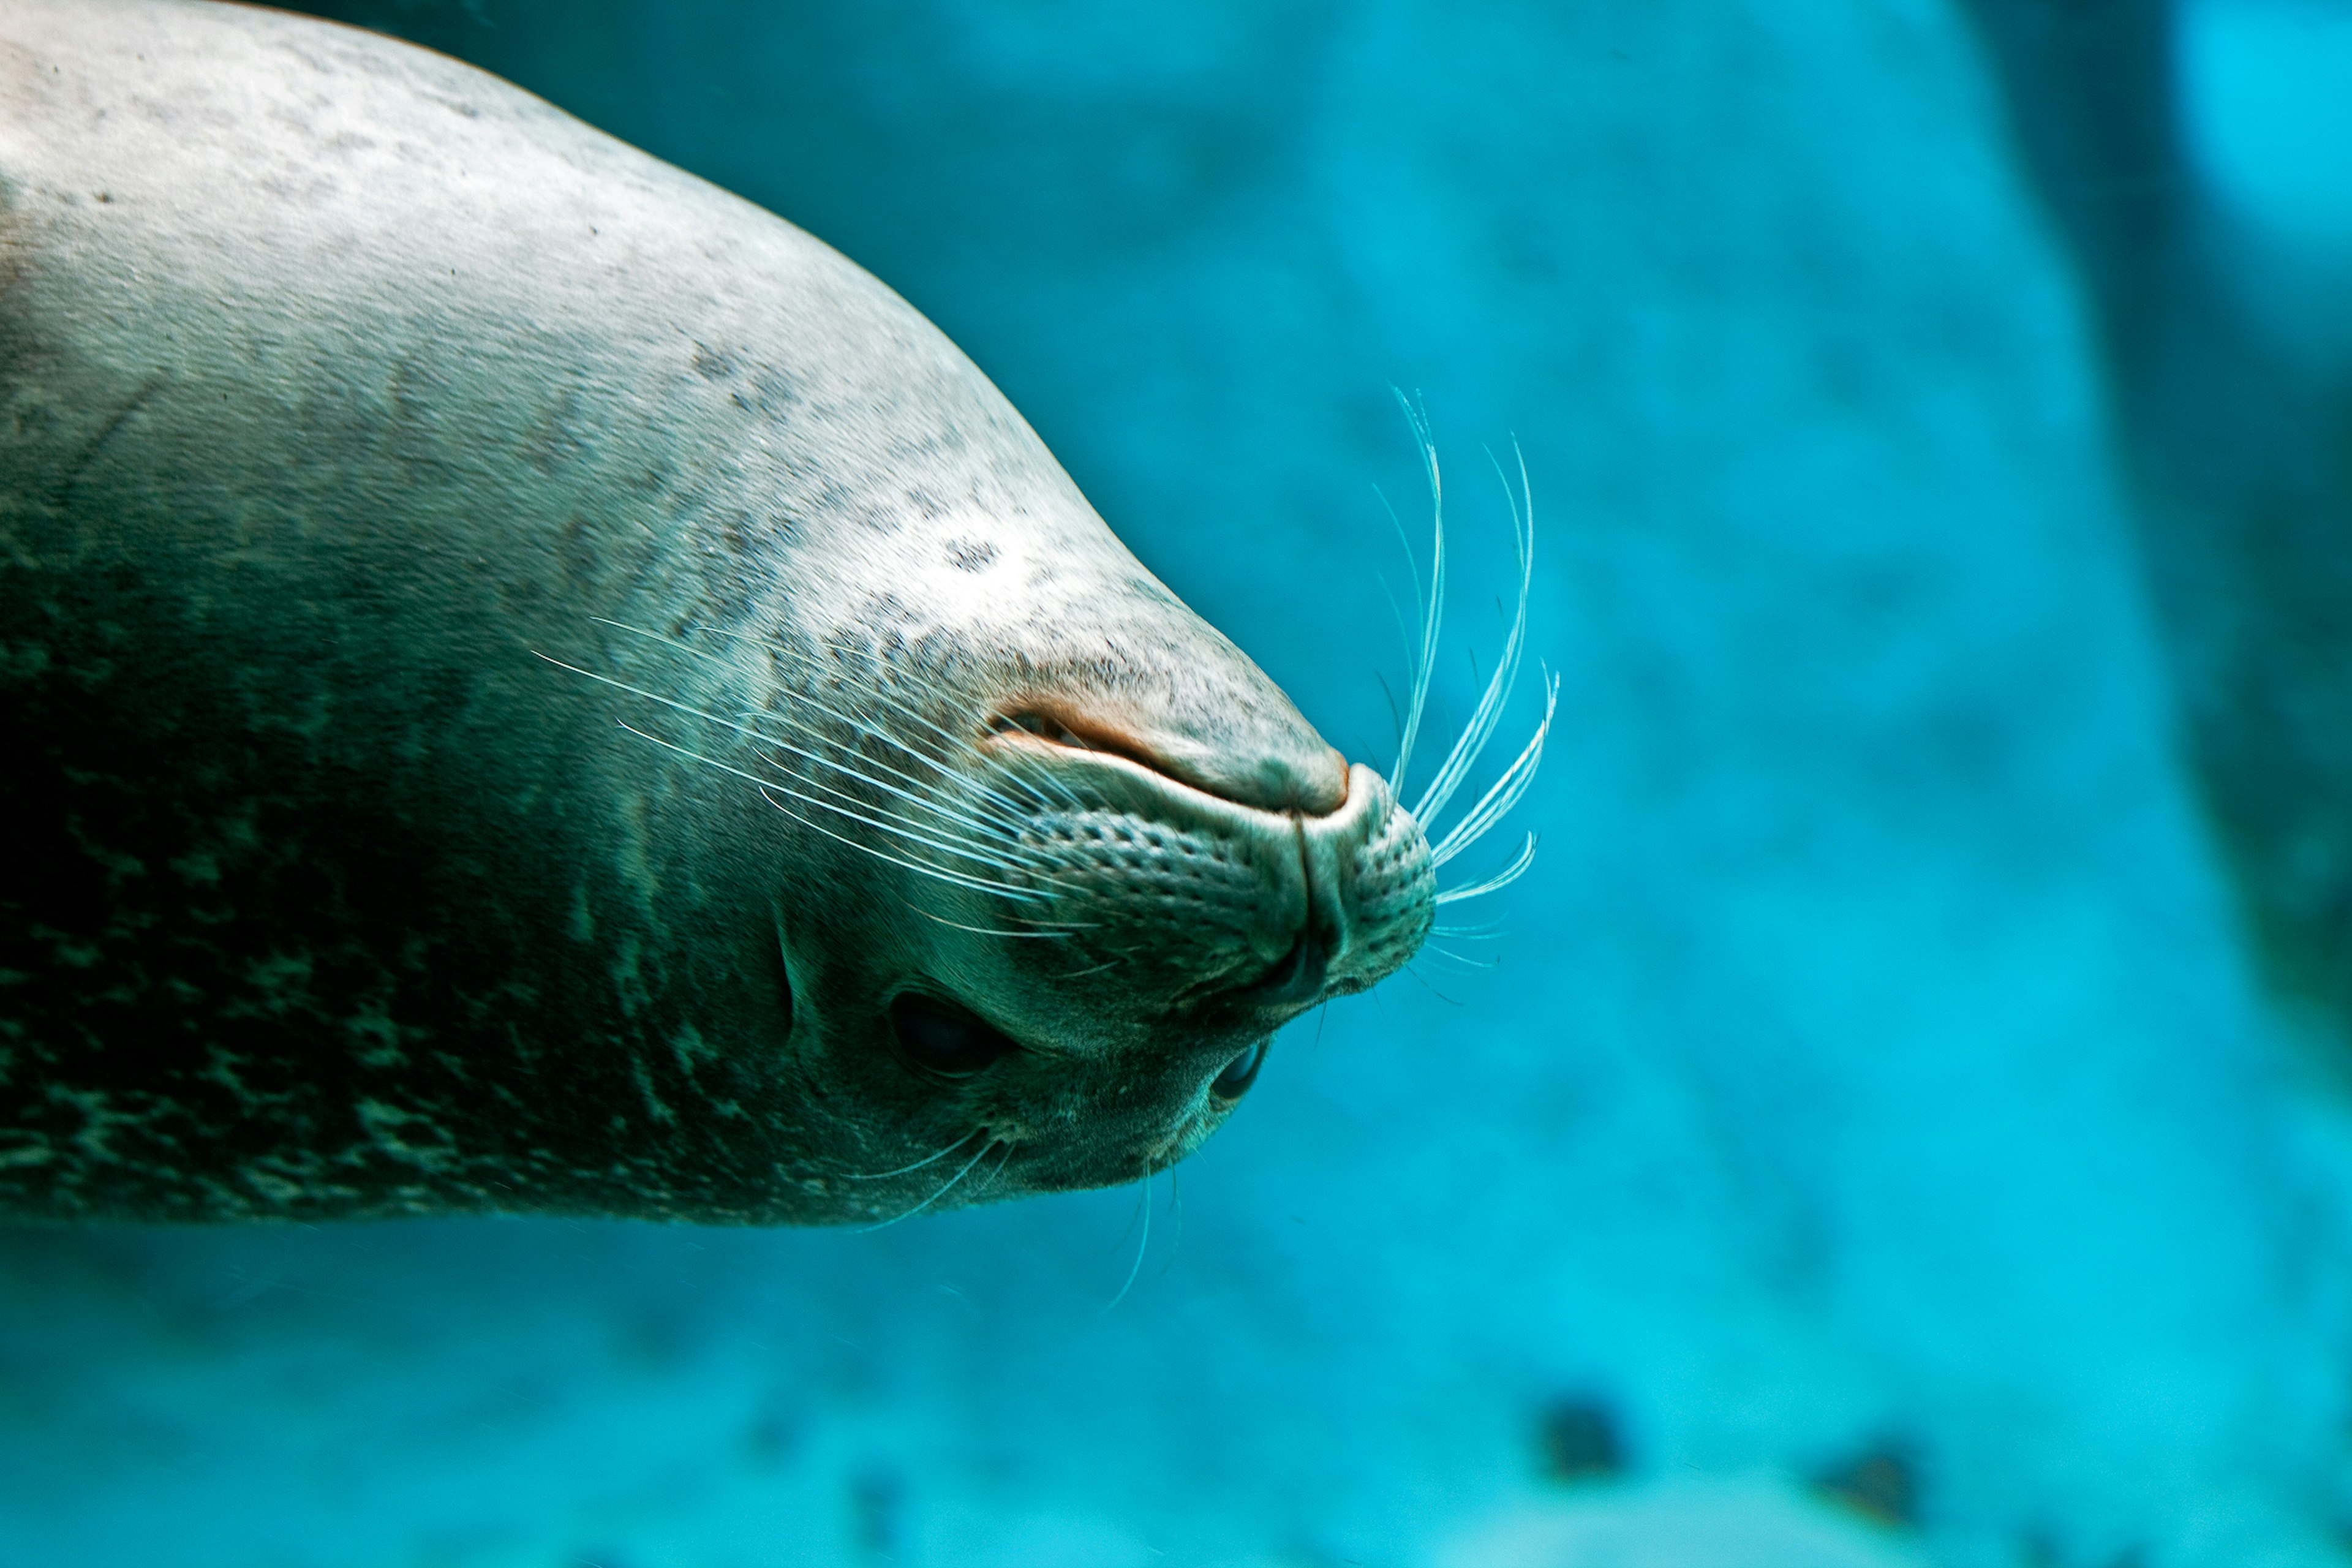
x=1881 y=1484
x=1757 y=1522
x=1579 y=1441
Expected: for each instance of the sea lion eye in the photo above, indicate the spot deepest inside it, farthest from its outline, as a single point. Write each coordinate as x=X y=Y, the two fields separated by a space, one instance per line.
x=938 y=1038
x=1239 y=1073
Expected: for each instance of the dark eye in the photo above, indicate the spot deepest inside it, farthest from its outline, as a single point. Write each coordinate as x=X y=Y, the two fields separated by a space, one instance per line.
x=944 y=1040
x=1239 y=1073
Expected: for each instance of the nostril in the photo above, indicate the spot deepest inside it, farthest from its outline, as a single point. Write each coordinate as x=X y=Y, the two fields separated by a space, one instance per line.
x=1302 y=775
x=1046 y=727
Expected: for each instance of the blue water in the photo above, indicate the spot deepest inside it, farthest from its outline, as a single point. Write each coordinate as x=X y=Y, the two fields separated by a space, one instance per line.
x=1870 y=1080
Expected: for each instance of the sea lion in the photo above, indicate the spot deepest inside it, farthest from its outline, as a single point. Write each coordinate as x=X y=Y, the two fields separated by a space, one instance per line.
x=532 y=685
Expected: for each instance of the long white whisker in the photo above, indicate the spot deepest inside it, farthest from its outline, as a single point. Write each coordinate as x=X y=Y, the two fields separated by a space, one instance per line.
x=1140 y=1247
x=1404 y=628
x=1426 y=665
x=913 y=798
x=1000 y=812
x=1459 y=761
x=884 y=825
x=1004 y=1160
x=977 y=817
x=988 y=930
x=880 y=691
x=1176 y=1202
x=954 y=878
x=767 y=785
x=1505 y=791
x=1010 y=814
x=1502 y=878
x=960 y=1175
x=1027 y=772
x=927 y=1159
x=1001 y=856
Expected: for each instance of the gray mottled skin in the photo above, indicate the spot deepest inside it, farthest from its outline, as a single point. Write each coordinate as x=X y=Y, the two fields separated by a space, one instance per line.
x=339 y=383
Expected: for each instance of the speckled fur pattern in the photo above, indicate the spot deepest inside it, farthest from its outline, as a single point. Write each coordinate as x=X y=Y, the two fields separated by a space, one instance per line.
x=427 y=528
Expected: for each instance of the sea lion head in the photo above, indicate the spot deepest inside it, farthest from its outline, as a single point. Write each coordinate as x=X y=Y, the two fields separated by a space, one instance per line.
x=1063 y=859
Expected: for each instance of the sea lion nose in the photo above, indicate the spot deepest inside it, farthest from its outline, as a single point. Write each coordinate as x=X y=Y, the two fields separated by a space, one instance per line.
x=1304 y=776
x=1370 y=888
x=1368 y=899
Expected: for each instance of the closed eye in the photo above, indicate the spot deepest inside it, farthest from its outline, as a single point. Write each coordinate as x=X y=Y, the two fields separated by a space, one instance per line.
x=944 y=1040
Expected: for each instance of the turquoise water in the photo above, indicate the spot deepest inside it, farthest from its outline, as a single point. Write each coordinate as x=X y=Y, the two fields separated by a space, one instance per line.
x=1871 y=1144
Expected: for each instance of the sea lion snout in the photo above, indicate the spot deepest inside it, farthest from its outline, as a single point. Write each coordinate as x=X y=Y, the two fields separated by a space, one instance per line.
x=1248 y=910
x=1370 y=882
x=1369 y=896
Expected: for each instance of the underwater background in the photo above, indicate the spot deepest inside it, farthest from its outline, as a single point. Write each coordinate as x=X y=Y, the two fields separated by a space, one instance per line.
x=1902 y=1118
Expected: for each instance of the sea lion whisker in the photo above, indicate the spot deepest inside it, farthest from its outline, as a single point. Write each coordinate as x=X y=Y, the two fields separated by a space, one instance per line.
x=952 y=820
x=1176 y=1208
x=907 y=710
x=741 y=728
x=977 y=849
x=1505 y=791
x=895 y=826
x=977 y=812
x=1008 y=817
x=1426 y=664
x=984 y=930
x=872 y=816
x=863 y=724
x=940 y=873
x=1003 y=1163
x=1500 y=879
x=1025 y=769
x=936 y=1196
x=765 y=785
x=757 y=734
x=999 y=812
x=926 y=1159
x=1491 y=703
x=1141 y=1247
x=1412 y=972
x=1405 y=627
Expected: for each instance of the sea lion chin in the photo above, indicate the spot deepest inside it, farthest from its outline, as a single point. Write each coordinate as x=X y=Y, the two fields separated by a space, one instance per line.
x=539 y=687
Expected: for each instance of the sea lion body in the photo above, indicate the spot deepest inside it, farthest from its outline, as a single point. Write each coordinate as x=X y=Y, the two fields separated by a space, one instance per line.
x=379 y=449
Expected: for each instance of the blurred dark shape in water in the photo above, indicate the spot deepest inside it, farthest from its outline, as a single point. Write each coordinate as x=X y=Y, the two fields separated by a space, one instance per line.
x=1881 y=1484
x=1579 y=1441
x=2240 y=455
